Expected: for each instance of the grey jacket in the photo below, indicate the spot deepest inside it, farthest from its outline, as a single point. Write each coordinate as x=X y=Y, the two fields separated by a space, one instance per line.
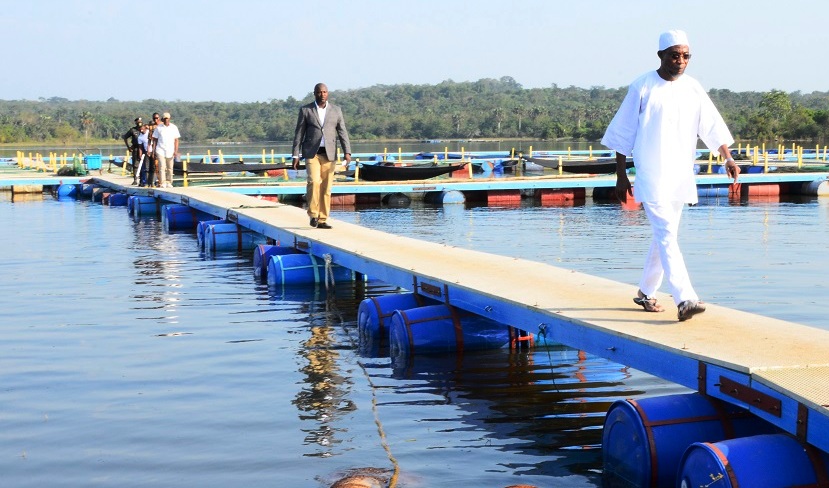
x=309 y=132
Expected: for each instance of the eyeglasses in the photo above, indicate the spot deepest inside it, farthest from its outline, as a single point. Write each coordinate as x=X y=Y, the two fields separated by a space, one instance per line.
x=676 y=56
x=155 y=117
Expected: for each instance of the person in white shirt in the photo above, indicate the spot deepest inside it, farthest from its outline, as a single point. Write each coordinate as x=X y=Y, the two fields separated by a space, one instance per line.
x=659 y=122
x=165 y=140
x=143 y=147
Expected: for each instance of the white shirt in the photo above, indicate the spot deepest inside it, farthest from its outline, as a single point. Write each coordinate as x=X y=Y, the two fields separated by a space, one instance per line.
x=321 y=114
x=144 y=139
x=166 y=135
x=659 y=123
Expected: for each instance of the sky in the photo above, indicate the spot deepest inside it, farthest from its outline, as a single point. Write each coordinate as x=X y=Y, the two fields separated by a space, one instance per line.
x=262 y=50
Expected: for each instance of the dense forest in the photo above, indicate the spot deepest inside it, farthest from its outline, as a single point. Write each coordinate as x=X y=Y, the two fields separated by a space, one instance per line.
x=487 y=108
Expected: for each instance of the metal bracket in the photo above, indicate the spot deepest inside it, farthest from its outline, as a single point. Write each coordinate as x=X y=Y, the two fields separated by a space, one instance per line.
x=702 y=378
x=750 y=396
x=232 y=216
x=431 y=289
x=802 y=422
x=185 y=200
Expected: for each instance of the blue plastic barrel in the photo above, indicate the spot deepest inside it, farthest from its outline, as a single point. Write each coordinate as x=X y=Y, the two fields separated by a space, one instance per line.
x=397 y=200
x=768 y=461
x=374 y=314
x=262 y=256
x=444 y=197
x=643 y=440
x=175 y=216
x=441 y=328
x=201 y=228
x=228 y=236
x=144 y=205
x=118 y=200
x=303 y=269
x=86 y=189
x=67 y=191
x=712 y=190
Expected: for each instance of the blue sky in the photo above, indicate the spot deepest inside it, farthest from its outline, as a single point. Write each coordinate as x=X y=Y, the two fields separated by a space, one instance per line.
x=258 y=50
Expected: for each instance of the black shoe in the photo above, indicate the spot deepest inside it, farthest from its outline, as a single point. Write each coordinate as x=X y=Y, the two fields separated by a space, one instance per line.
x=689 y=308
x=323 y=225
x=314 y=222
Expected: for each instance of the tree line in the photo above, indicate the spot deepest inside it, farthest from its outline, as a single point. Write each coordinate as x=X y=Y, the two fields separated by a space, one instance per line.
x=487 y=108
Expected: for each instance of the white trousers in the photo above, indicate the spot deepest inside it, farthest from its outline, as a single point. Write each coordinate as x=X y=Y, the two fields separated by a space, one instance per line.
x=664 y=257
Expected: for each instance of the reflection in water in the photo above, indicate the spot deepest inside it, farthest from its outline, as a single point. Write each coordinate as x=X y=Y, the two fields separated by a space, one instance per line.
x=548 y=404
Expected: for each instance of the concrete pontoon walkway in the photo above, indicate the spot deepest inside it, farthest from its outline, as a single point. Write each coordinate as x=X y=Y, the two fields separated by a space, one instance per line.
x=777 y=369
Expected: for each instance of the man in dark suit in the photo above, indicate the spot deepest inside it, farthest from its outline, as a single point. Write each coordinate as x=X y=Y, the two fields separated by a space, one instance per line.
x=319 y=125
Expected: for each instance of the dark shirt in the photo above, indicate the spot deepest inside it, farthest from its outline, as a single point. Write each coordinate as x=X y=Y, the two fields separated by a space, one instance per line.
x=132 y=135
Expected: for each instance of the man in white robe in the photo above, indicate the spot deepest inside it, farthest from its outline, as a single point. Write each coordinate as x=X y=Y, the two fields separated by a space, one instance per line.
x=658 y=124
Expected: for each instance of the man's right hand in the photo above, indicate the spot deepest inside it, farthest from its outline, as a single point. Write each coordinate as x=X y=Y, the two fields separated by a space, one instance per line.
x=295 y=163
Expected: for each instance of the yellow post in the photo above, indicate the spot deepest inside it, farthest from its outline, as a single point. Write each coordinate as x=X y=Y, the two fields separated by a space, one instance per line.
x=446 y=154
x=740 y=148
x=241 y=158
x=435 y=161
x=765 y=163
x=800 y=158
x=272 y=157
x=530 y=152
x=184 y=169
x=400 y=155
x=385 y=154
x=590 y=152
x=65 y=155
x=221 y=157
x=560 y=165
x=285 y=171
x=263 y=156
x=357 y=170
x=568 y=152
x=764 y=148
x=756 y=158
x=463 y=150
x=781 y=152
x=209 y=159
x=710 y=161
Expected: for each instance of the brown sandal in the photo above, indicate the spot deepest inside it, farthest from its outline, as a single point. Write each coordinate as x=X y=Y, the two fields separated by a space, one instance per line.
x=648 y=303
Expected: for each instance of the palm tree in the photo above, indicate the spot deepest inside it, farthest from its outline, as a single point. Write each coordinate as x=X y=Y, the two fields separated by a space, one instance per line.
x=87 y=122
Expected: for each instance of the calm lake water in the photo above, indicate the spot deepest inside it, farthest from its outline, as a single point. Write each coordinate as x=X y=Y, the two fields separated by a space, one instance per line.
x=129 y=358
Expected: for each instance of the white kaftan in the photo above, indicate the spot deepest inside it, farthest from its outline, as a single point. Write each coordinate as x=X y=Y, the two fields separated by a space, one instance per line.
x=658 y=124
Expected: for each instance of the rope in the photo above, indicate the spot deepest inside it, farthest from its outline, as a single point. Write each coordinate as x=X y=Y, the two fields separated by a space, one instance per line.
x=331 y=306
x=542 y=332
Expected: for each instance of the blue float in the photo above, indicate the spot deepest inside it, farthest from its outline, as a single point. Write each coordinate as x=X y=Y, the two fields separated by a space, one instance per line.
x=374 y=314
x=440 y=329
x=118 y=200
x=712 y=190
x=768 y=461
x=228 y=236
x=262 y=256
x=175 y=216
x=67 y=191
x=201 y=228
x=643 y=440
x=303 y=269
x=86 y=189
x=140 y=205
x=444 y=197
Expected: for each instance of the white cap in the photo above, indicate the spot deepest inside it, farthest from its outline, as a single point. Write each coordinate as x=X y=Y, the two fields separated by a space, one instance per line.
x=673 y=38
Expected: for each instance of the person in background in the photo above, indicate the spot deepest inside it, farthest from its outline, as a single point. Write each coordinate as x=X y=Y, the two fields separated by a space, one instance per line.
x=165 y=141
x=659 y=122
x=144 y=162
x=318 y=127
x=131 y=141
x=152 y=162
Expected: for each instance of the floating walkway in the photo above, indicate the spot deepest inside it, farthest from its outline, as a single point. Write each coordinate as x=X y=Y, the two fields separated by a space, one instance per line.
x=775 y=369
